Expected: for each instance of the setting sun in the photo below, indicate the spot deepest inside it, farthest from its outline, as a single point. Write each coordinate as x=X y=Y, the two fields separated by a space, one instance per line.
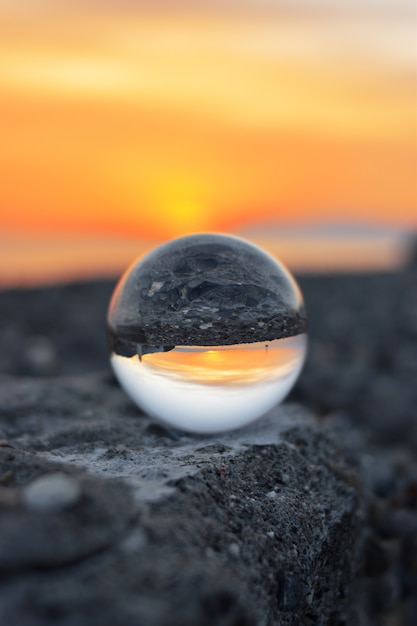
x=156 y=123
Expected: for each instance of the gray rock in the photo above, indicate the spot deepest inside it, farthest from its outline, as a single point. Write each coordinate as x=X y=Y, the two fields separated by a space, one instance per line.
x=164 y=531
x=84 y=564
x=148 y=541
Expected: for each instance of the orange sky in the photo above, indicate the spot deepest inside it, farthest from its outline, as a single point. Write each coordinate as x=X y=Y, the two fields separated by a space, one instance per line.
x=155 y=124
x=228 y=365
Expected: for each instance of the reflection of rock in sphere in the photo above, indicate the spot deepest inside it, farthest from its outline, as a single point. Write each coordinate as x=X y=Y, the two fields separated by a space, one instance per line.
x=207 y=333
x=206 y=290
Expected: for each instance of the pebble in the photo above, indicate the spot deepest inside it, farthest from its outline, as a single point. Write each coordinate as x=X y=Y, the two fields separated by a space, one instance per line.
x=234 y=549
x=210 y=553
x=51 y=492
x=42 y=357
x=271 y=495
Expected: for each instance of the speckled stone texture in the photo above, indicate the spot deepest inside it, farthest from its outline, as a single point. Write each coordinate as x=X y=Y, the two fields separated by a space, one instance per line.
x=309 y=517
x=255 y=527
x=205 y=290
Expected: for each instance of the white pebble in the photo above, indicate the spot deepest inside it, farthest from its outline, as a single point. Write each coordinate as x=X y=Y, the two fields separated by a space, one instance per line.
x=51 y=492
x=206 y=326
x=234 y=549
x=271 y=495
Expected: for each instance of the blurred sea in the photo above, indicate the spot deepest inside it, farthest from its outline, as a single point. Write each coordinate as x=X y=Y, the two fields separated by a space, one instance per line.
x=30 y=260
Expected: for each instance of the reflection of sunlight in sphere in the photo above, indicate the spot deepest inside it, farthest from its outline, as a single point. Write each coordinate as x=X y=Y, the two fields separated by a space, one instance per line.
x=211 y=399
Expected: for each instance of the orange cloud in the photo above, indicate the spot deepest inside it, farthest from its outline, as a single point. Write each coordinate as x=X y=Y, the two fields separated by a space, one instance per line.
x=158 y=125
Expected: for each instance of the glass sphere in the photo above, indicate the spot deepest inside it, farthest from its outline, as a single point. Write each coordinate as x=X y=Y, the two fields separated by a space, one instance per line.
x=207 y=332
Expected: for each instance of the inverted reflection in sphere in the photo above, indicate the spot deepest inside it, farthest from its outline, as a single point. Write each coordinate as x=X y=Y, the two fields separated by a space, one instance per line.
x=207 y=332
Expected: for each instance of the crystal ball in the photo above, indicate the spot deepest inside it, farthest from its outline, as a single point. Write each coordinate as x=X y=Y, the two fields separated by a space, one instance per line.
x=207 y=333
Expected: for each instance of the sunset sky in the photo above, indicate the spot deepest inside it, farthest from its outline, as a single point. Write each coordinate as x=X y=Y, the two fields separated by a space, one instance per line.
x=153 y=119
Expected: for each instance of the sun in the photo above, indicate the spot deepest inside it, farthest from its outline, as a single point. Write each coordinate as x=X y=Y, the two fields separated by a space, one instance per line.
x=179 y=202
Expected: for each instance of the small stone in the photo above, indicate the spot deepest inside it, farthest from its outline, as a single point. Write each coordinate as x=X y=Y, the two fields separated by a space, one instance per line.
x=210 y=554
x=41 y=356
x=156 y=286
x=51 y=492
x=271 y=495
x=234 y=549
x=270 y=534
x=206 y=326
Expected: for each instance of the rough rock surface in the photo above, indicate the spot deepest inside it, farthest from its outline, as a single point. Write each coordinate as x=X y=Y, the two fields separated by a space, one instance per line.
x=297 y=520
x=254 y=527
x=204 y=290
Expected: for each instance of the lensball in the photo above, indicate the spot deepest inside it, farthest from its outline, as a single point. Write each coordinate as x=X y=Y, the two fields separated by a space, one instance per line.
x=207 y=332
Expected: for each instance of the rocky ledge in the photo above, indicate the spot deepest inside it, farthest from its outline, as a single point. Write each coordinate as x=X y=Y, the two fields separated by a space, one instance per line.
x=109 y=518
x=309 y=517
